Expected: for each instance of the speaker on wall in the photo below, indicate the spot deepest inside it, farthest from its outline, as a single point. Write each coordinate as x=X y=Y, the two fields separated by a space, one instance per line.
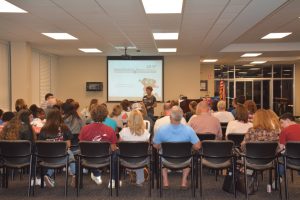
x=94 y=86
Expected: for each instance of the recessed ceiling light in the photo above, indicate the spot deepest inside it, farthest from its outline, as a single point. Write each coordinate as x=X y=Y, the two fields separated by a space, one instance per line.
x=242 y=72
x=90 y=50
x=162 y=7
x=165 y=36
x=209 y=60
x=167 y=50
x=217 y=69
x=258 y=62
x=251 y=54
x=276 y=35
x=60 y=36
x=287 y=70
x=248 y=65
x=6 y=7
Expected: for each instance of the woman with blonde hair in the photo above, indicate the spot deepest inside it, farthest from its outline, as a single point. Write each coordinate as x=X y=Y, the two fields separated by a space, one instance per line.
x=136 y=132
x=274 y=119
x=263 y=128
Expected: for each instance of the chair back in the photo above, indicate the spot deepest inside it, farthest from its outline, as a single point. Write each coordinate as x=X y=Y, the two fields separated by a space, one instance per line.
x=261 y=153
x=94 y=151
x=15 y=152
x=147 y=125
x=176 y=151
x=206 y=136
x=223 y=127
x=292 y=152
x=237 y=138
x=133 y=151
x=217 y=151
x=51 y=152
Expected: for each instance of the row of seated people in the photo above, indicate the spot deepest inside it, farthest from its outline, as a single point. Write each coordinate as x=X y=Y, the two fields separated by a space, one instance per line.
x=171 y=128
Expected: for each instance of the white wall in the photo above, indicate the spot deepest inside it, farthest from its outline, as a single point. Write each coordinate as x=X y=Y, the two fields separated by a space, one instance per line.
x=4 y=76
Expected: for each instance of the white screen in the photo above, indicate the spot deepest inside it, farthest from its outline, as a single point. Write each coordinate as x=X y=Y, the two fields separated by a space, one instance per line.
x=128 y=79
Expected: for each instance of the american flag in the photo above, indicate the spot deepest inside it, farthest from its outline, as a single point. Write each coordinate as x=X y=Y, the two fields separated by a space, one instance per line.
x=222 y=91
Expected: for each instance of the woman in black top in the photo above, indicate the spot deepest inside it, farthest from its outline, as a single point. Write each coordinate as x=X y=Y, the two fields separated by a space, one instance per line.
x=56 y=130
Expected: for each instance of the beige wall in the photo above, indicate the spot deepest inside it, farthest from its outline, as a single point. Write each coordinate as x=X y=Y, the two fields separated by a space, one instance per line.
x=181 y=76
x=207 y=73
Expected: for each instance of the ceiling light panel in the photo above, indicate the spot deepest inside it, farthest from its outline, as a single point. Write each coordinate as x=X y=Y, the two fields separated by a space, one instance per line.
x=209 y=60
x=276 y=35
x=258 y=62
x=250 y=55
x=90 y=50
x=60 y=36
x=162 y=50
x=165 y=36
x=6 y=7
x=162 y=6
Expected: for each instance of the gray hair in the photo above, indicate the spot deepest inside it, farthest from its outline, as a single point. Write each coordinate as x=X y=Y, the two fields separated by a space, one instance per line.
x=176 y=113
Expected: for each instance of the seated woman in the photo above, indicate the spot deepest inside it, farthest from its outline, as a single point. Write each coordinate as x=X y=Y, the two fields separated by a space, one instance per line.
x=192 y=107
x=262 y=130
x=251 y=107
x=240 y=124
x=222 y=114
x=135 y=132
x=56 y=130
x=116 y=115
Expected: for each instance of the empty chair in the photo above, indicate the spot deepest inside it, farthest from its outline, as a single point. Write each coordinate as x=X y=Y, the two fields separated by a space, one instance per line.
x=53 y=155
x=135 y=155
x=16 y=154
x=93 y=155
x=236 y=138
x=206 y=136
x=216 y=155
x=259 y=156
x=176 y=156
x=291 y=160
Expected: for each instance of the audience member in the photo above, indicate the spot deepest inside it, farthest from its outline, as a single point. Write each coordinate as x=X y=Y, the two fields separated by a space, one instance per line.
x=20 y=105
x=262 y=130
x=71 y=118
x=136 y=132
x=176 y=132
x=44 y=104
x=97 y=131
x=290 y=130
x=86 y=112
x=251 y=107
x=141 y=107
x=274 y=119
x=192 y=107
x=241 y=123
x=125 y=104
x=56 y=130
x=240 y=100
x=116 y=115
x=6 y=117
x=205 y=122
x=166 y=119
x=222 y=115
x=1 y=113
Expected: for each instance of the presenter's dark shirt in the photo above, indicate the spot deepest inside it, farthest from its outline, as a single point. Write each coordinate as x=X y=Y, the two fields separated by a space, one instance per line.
x=149 y=101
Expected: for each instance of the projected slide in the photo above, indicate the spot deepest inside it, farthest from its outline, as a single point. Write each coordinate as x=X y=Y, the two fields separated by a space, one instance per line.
x=128 y=79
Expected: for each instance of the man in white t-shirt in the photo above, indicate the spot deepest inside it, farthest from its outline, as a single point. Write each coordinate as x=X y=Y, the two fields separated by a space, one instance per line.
x=166 y=119
x=222 y=114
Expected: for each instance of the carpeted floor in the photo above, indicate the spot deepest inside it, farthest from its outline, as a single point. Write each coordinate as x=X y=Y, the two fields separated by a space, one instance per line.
x=212 y=190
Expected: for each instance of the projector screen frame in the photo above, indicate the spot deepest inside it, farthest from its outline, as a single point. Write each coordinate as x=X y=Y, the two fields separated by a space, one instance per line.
x=135 y=58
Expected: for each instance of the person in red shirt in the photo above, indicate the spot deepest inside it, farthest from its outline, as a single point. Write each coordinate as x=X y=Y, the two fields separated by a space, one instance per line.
x=290 y=129
x=97 y=131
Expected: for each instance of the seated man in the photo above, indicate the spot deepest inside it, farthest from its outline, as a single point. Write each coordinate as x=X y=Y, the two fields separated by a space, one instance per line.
x=176 y=132
x=290 y=129
x=98 y=131
x=205 y=122
x=166 y=119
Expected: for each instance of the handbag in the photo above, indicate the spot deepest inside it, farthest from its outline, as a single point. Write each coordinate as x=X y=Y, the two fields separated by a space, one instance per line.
x=252 y=183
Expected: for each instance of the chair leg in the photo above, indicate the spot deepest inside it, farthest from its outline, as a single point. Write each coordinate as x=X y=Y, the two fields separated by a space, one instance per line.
x=150 y=178
x=160 y=177
x=285 y=180
x=117 y=179
x=66 y=178
x=292 y=175
x=201 y=169
x=278 y=178
x=78 y=178
x=245 y=178
x=233 y=177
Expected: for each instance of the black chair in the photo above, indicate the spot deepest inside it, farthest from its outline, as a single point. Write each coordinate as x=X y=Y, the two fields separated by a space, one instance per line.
x=52 y=155
x=217 y=155
x=260 y=156
x=206 y=136
x=93 y=155
x=237 y=138
x=135 y=155
x=176 y=156
x=75 y=144
x=291 y=161
x=223 y=127
x=16 y=154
